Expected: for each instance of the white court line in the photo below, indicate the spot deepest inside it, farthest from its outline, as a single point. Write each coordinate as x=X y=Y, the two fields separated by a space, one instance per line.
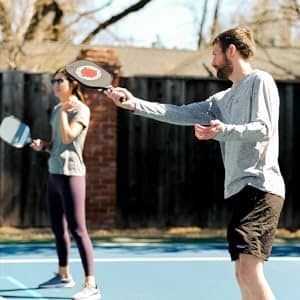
x=19 y=284
x=140 y=259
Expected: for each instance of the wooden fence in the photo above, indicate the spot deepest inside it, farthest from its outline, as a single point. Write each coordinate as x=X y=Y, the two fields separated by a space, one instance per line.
x=168 y=178
x=23 y=172
x=165 y=177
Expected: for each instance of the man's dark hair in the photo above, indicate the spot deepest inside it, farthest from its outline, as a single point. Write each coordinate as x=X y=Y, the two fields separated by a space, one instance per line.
x=240 y=37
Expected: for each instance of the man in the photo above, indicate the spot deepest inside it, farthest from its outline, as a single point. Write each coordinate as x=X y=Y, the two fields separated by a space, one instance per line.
x=244 y=119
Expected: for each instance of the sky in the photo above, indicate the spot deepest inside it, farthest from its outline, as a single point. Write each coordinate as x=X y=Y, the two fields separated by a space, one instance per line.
x=170 y=23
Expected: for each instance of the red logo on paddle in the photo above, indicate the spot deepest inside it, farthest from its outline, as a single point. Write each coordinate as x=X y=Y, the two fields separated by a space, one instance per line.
x=88 y=72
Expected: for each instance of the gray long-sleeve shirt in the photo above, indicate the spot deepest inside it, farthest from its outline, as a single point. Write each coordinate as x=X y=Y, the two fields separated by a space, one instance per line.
x=249 y=112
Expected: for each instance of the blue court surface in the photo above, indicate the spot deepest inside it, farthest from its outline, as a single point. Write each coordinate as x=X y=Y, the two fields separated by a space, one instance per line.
x=145 y=271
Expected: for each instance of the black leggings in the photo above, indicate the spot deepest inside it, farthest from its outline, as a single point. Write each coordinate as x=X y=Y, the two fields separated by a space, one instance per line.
x=66 y=207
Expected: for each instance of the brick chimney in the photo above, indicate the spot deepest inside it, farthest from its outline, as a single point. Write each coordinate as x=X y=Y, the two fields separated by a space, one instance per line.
x=101 y=145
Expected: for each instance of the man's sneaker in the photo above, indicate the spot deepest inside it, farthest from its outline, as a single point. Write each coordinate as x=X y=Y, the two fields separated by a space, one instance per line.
x=58 y=282
x=88 y=293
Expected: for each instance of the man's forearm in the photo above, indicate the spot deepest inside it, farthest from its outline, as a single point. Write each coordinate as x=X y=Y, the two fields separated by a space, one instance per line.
x=254 y=131
x=186 y=115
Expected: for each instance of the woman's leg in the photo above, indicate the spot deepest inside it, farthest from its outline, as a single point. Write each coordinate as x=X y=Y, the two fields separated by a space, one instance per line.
x=74 y=206
x=58 y=222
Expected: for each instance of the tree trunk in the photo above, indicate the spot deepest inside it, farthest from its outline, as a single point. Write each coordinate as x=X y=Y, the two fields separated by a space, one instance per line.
x=200 y=35
x=215 y=26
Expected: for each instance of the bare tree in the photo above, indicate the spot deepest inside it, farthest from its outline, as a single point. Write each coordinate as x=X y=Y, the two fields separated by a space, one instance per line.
x=30 y=21
x=202 y=23
x=46 y=22
x=11 y=30
x=274 y=21
x=5 y=21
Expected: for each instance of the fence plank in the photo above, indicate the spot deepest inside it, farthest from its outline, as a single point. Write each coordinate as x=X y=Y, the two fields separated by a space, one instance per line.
x=11 y=163
x=38 y=101
x=286 y=154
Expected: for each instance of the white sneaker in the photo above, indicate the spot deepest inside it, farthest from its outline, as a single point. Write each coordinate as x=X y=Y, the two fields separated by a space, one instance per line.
x=88 y=293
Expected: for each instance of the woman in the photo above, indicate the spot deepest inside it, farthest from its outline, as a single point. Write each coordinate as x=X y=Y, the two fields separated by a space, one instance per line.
x=66 y=183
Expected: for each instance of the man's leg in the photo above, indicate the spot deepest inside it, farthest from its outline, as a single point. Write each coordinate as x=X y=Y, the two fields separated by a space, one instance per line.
x=250 y=235
x=251 y=279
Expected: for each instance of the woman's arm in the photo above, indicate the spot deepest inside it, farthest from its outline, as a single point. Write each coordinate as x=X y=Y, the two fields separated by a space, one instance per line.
x=69 y=131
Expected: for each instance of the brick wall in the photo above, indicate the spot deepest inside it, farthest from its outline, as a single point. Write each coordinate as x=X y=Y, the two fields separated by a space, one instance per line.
x=101 y=144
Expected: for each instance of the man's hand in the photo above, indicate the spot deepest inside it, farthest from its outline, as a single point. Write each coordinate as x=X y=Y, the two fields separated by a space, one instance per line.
x=207 y=132
x=121 y=97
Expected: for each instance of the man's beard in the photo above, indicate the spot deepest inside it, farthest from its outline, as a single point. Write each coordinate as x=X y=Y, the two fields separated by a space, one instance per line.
x=226 y=70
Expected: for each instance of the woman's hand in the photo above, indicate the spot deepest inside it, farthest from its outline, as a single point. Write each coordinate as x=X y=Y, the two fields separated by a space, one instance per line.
x=37 y=145
x=69 y=105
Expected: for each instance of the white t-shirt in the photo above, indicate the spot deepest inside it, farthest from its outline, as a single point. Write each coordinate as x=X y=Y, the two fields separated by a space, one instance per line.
x=249 y=112
x=66 y=159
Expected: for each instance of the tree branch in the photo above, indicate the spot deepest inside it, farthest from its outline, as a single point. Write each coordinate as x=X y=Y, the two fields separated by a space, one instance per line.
x=272 y=62
x=114 y=19
x=87 y=13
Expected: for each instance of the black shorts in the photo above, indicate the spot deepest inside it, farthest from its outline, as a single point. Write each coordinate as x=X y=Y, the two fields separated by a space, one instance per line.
x=254 y=222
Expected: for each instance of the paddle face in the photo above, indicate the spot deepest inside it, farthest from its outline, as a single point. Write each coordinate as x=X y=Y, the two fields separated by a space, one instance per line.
x=89 y=74
x=14 y=132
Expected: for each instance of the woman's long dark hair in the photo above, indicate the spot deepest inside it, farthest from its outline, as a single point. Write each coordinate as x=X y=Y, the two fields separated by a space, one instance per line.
x=75 y=84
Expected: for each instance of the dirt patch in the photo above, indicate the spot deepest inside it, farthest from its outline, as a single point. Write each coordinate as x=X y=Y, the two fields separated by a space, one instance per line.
x=13 y=234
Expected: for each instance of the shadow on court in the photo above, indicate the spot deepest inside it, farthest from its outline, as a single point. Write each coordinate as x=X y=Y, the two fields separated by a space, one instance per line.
x=26 y=297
